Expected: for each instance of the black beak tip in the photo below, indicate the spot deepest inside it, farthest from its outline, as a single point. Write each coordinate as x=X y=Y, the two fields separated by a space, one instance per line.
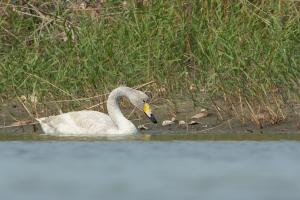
x=152 y=118
x=154 y=121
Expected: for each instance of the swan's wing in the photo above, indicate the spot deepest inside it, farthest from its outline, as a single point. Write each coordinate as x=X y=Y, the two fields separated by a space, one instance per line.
x=81 y=122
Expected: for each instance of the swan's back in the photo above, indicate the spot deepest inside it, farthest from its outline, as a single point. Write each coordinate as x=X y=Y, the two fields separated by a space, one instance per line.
x=81 y=122
x=95 y=123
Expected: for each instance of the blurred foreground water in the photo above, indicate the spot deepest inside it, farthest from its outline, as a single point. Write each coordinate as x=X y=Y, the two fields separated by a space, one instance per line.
x=149 y=170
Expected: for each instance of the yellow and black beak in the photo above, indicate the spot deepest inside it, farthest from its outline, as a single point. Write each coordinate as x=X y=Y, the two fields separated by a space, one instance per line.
x=148 y=112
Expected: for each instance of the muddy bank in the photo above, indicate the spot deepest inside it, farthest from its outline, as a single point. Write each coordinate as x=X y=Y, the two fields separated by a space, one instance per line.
x=16 y=120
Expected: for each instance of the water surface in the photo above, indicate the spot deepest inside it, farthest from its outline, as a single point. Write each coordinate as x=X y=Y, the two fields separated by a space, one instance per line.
x=149 y=170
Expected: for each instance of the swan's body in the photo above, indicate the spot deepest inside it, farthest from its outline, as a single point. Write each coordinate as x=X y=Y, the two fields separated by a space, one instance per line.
x=87 y=122
x=84 y=122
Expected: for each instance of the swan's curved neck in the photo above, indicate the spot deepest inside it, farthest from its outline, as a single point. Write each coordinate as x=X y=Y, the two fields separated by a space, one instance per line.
x=114 y=110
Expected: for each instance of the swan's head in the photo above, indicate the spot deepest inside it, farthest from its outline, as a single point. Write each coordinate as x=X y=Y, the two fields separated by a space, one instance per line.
x=141 y=101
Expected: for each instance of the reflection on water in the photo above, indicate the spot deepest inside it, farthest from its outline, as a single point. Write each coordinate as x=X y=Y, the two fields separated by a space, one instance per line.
x=149 y=170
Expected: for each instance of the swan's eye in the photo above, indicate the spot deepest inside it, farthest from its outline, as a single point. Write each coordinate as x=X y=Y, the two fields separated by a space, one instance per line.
x=146 y=100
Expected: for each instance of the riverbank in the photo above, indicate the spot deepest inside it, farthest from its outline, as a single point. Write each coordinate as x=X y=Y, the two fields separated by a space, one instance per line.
x=16 y=120
x=239 y=59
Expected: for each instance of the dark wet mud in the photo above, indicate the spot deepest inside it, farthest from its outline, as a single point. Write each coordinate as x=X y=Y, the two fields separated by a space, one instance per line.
x=13 y=115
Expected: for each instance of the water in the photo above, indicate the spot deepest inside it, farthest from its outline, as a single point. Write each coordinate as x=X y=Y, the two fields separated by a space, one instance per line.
x=149 y=170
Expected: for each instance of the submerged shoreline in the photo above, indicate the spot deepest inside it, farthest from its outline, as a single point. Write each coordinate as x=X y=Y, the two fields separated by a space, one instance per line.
x=156 y=137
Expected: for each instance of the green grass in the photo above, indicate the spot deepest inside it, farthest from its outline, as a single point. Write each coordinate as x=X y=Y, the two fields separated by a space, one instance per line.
x=244 y=52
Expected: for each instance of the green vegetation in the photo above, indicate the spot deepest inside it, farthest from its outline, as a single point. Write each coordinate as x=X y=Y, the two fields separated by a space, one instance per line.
x=244 y=52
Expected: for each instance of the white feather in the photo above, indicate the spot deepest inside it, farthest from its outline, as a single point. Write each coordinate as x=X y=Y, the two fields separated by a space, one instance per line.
x=87 y=122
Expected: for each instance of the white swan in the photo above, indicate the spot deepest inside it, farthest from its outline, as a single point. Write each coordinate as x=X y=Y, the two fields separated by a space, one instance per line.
x=87 y=122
